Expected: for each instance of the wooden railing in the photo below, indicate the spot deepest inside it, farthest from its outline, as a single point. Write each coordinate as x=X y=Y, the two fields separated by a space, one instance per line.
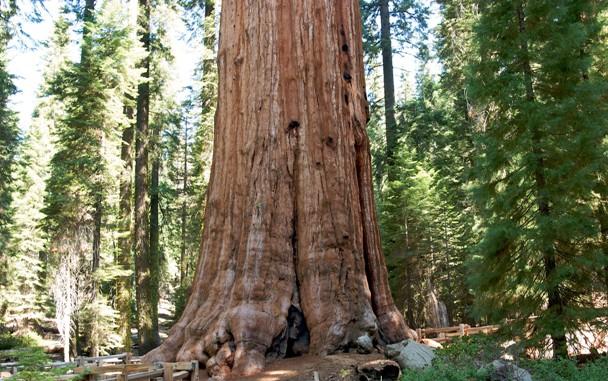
x=121 y=367
x=447 y=333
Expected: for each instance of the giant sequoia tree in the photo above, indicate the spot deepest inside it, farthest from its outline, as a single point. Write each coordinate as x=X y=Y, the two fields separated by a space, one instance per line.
x=290 y=258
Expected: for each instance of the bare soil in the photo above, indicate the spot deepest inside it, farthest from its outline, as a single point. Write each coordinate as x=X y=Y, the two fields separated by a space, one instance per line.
x=342 y=367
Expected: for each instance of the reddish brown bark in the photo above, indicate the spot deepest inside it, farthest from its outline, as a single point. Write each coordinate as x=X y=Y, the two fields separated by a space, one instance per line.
x=290 y=258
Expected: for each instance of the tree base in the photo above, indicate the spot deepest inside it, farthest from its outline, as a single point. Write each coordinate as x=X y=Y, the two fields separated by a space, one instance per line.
x=240 y=341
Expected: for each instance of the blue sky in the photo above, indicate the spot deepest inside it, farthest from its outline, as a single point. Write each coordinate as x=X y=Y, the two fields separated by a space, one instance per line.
x=25 y=63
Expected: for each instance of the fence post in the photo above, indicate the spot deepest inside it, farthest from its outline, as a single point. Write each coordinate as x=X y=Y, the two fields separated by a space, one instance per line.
x=168 y=371
x=124 y=375
x=194 y=375
x=461 y=330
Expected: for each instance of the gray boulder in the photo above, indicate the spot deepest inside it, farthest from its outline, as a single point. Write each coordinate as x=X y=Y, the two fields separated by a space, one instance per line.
x=365 y=344
x=410 y=354
x=506 y=370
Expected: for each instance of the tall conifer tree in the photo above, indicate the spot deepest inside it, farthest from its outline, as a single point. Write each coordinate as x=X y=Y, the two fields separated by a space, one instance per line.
x=146 y=264
x=545 y=119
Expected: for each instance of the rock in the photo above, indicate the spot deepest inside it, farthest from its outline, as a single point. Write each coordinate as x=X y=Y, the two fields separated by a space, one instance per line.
x=365 y=344
x=505 y=370
x=386 y=370
x=431 y=343
x=410 y=354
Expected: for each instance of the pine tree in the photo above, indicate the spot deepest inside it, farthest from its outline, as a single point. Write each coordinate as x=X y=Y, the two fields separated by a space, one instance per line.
x=92 y=92
x=197 y=144
x=27 y=245
x=407 y=20
x=538 y=164
x=9 y=137
x=146 y=262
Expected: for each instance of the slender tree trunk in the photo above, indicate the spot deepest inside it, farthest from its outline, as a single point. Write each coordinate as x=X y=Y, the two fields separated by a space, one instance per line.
x=389 y=86
x=555 y=301
x=124 y=286
x=88 y=17
x=603 y=219
x=209 y=39
x=147 y=309
x=208 y=91
x=97 y=234
x=291 y=260
x=182 y=259
x=94 y=338
x=154 y=221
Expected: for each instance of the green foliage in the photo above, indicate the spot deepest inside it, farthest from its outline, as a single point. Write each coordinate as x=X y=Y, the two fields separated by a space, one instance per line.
x=9 y=143
x=567 y=370
x=26 y=351
x=469 y=358
x=79 y=199
x=92 y=92
x=12 y=341
x=464 y=359
x=408 y=24
x=426 y=214
x=27 y=241
x=180 y=298
x=406 y=220
x=35 y=366
x=538 y=171
x=98 y=321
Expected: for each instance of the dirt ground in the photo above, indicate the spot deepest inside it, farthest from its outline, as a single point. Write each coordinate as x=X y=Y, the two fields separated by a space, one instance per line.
x=341 y=367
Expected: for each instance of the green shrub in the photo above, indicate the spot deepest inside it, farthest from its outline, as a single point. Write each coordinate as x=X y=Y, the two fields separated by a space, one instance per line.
x=33 y=363
x=462 y=360
x=35 y=366
x=469 y=359
x=567 y=370
x=26 y=340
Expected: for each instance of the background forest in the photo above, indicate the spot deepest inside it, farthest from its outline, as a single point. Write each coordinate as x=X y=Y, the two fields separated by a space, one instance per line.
x=488 y=130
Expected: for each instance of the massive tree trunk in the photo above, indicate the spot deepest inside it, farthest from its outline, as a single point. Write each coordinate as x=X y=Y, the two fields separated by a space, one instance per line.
x=145 y=294
x=290 y=258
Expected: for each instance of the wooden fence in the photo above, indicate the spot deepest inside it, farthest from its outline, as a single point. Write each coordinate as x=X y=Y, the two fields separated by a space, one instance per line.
x=121 y=367
x=125 y=367
x=445 y=334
